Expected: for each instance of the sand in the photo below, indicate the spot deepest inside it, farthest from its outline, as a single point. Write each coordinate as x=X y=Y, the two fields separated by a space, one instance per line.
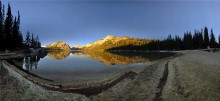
x=190 y=76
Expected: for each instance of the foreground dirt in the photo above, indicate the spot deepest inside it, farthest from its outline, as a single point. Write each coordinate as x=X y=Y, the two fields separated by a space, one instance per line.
x=18 y=89
x=193 y=76
x=145 y=85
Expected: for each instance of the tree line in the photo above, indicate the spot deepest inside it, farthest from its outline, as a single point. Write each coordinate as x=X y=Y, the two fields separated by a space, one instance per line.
x=31 y=41
x=10 y=35
x=201 y=39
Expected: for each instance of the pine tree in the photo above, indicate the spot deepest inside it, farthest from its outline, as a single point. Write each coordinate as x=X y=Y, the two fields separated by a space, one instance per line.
x=38 y=44
x=200 y=39
x=20 y=37
x=28 y=40
x=196 y=40
x=190 y=39
x=15 y=34
x=178 y=42
x=1 y=27
x=32 y=41
x=8 y=28
x=212 y=40
x=18 y=21
x=206 y=37
x=219 y=41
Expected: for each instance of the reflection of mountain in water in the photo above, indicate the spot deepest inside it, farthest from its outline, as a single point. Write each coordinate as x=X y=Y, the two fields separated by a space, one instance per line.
x=112 y=58
x=58 y=55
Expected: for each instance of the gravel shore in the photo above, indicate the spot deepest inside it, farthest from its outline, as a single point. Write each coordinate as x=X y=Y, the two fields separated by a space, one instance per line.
x=190 y=76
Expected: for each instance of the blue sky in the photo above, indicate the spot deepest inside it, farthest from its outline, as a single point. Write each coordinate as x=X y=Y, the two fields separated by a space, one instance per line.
x=79 y=22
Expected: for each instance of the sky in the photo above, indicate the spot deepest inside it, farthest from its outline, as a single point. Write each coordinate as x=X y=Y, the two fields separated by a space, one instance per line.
x=79 y=22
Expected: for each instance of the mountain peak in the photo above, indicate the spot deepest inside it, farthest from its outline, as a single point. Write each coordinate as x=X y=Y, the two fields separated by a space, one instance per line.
x=126 y=37
x=110 y=42
x=110 y=37
x=59 y=45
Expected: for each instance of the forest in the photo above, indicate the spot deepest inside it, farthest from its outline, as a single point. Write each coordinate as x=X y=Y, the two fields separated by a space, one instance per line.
x=201 y=39
x=10 y=35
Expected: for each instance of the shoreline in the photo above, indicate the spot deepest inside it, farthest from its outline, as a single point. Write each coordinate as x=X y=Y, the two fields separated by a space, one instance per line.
x=86 y=90
x=180 y=77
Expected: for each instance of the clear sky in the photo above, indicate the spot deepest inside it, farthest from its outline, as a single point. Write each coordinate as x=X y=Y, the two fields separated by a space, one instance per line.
x=79 y=22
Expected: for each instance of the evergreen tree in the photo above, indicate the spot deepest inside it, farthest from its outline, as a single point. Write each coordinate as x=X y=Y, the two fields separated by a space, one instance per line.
x=2 y=37
x=8 y=29
x=178 y=43
x=196 y=40
x=169 y=42
x=28 y=40
x=33 y=41
x=200 y=40
x=212 y=40
x=18 y=21
x=188 y=41
x=17 y=37
x=15 y=33
x=185 y=41
x=20 y=37
x=206 y=37
x=219 y=41
x=38 y=44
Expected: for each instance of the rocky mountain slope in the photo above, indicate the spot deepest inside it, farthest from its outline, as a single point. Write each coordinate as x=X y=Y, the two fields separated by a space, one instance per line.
x=58 y=46
x=111 y=42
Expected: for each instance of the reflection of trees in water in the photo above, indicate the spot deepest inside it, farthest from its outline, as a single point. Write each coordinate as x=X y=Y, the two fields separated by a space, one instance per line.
x=31 y=62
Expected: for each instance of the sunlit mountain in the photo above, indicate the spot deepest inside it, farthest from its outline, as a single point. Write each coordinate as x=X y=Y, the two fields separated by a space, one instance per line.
x=58 y=46
x=111 y=42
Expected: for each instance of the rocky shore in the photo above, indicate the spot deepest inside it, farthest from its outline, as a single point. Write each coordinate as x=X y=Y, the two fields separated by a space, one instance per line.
x=188 y=76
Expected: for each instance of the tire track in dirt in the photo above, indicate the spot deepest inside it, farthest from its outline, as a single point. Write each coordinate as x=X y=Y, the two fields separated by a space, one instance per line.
x=161 y=84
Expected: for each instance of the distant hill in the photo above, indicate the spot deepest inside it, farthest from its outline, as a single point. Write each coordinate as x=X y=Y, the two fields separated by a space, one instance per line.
x=113 y=42
x=58 y=46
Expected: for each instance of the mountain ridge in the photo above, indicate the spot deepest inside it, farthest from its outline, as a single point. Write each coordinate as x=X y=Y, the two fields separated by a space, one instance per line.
x=111 y=42
x=59 y=45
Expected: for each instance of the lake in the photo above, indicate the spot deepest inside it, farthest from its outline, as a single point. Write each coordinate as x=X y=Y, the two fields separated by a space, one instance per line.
x=86 y=66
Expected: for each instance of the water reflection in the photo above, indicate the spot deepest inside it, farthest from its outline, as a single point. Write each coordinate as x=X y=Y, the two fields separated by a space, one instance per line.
x=31 y=62
x=112 y=58
x=65 y=66
x=107 y=58
x=58 y=55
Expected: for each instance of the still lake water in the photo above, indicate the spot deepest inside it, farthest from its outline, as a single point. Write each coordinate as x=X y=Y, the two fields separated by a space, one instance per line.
x=86 y=65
